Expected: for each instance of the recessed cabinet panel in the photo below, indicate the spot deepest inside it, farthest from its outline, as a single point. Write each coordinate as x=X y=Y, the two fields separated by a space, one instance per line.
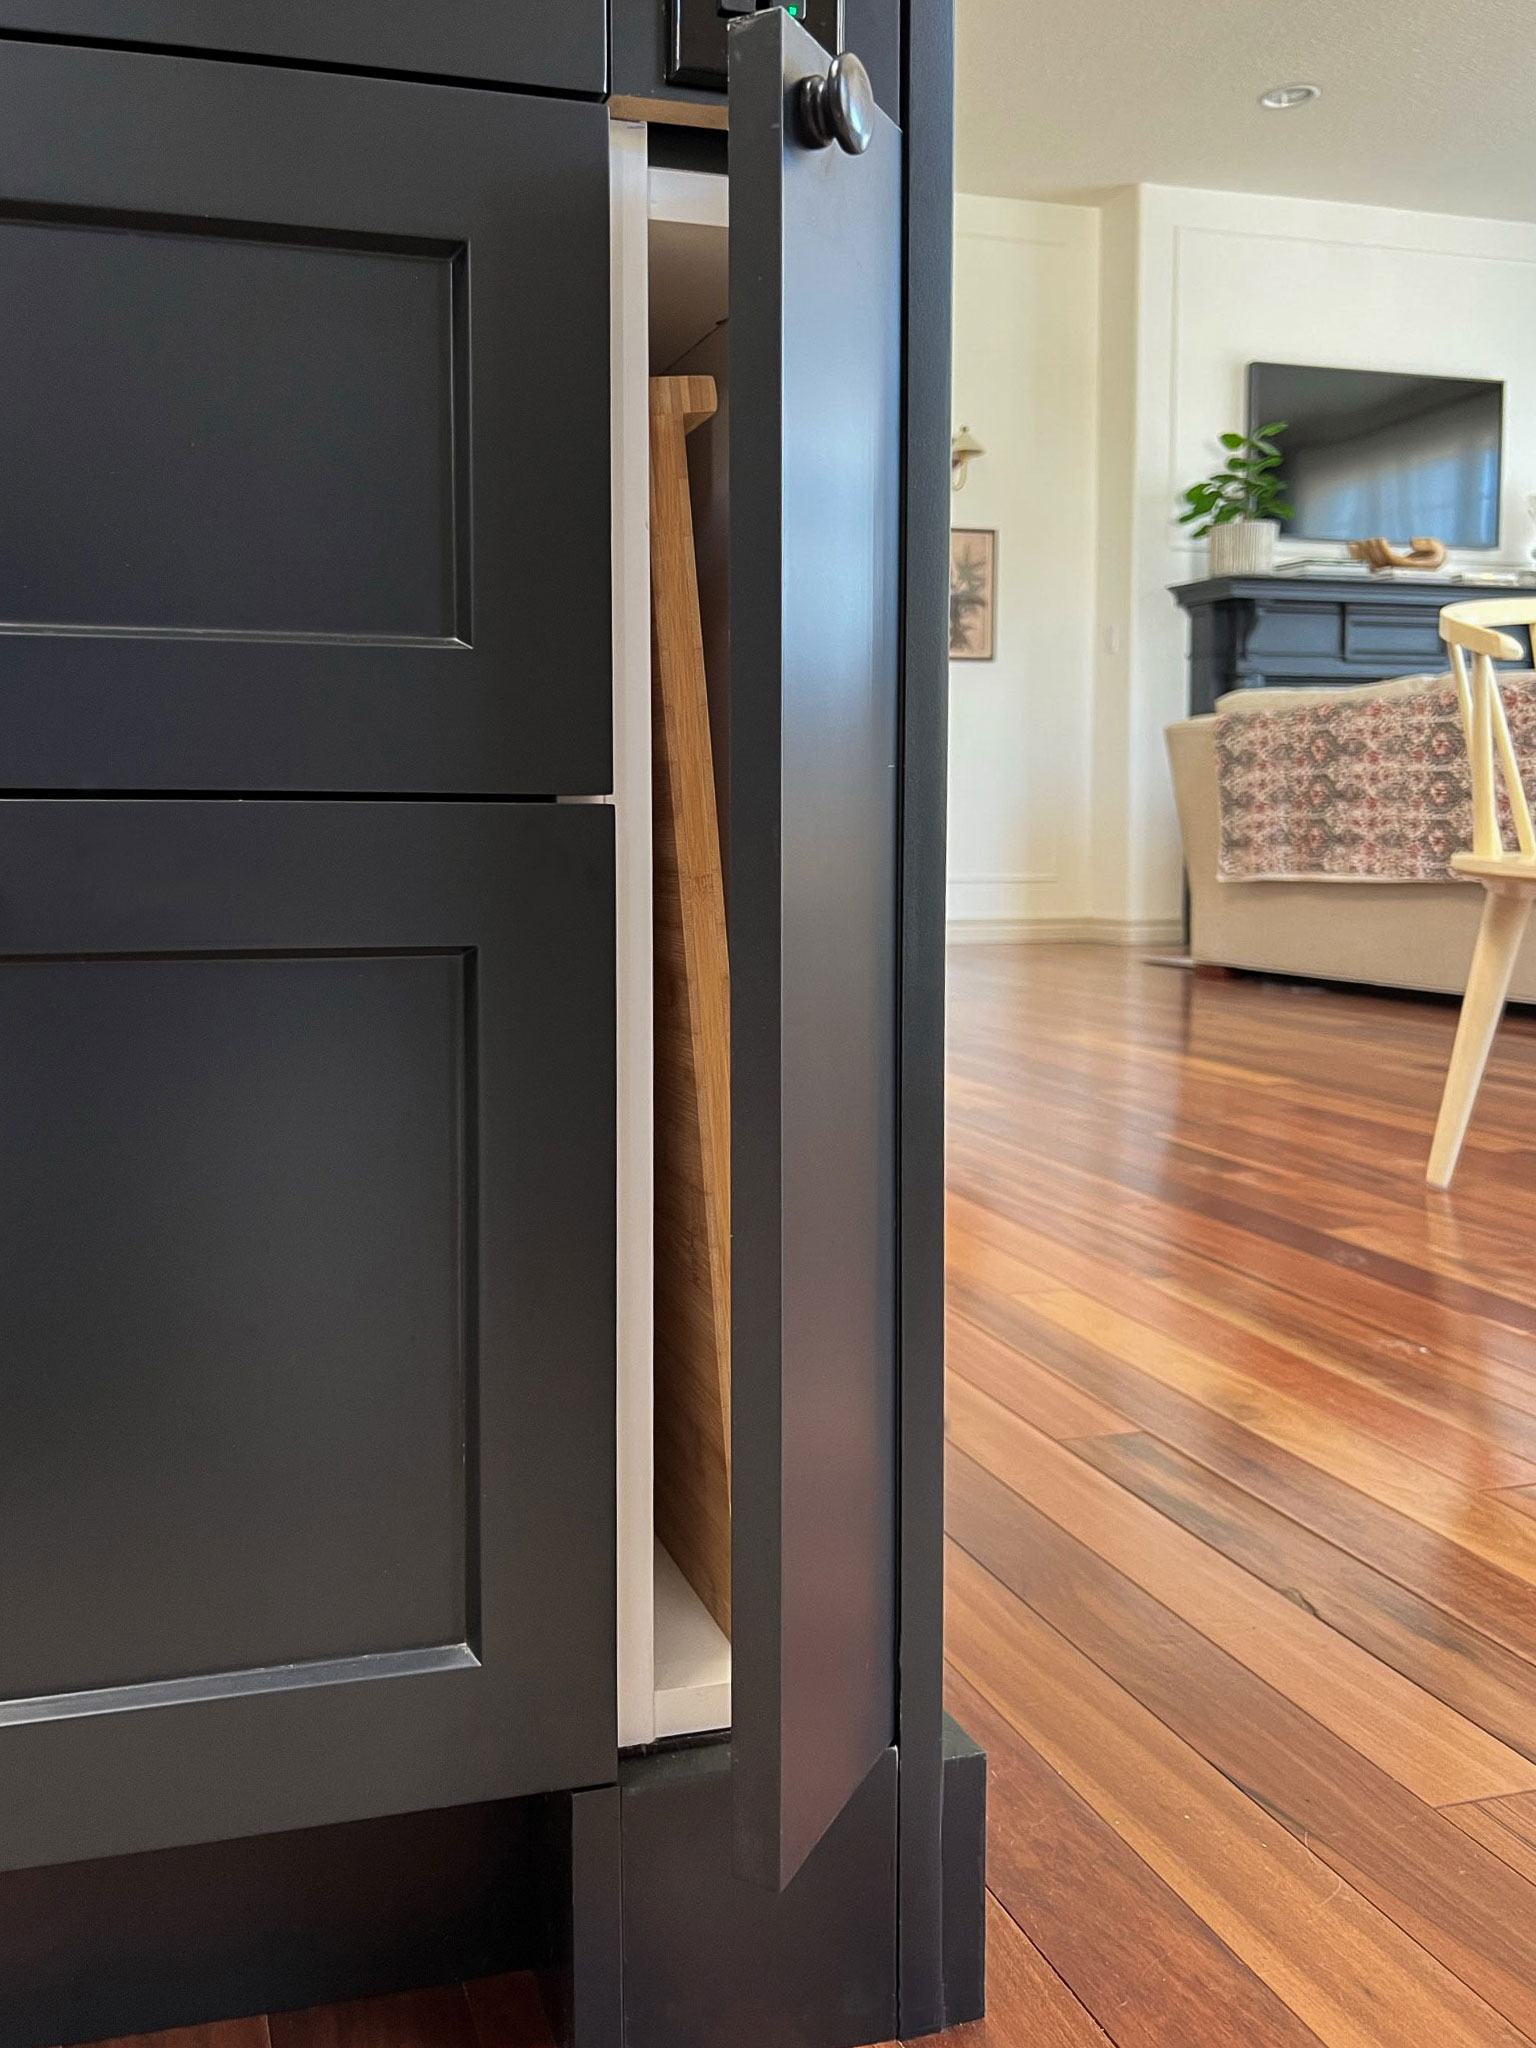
x=1386 y=635
x=306 y=1314
x=536 y=43
x=304 y=426
x=1299 y=630
x=143 y=494
x=240 y=1441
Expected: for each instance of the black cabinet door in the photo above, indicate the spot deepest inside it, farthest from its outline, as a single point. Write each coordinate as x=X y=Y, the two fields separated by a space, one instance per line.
x=306 y=1314
x=555 y=47
x=304 y=429
x=815 y=593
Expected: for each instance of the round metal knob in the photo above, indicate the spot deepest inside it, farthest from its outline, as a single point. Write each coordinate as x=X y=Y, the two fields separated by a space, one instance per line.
x=839 y=108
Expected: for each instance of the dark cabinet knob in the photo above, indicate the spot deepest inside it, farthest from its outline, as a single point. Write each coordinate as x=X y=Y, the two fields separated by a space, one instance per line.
x=839 y=108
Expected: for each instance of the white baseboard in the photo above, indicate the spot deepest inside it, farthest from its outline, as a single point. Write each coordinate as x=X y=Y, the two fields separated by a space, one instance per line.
x=1065 y=931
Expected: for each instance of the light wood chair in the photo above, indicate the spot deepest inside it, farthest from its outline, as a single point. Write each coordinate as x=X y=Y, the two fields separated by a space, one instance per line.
x=1471 y=631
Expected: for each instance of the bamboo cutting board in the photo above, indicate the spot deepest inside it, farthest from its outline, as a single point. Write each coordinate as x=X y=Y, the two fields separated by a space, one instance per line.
x=693 y=1038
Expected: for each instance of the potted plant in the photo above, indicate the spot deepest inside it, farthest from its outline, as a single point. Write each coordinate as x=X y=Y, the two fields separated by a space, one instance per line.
x=1241 y=505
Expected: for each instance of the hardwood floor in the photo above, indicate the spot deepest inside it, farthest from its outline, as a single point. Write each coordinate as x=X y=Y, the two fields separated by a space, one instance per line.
x=1242 y=1516
x=1242 y=1577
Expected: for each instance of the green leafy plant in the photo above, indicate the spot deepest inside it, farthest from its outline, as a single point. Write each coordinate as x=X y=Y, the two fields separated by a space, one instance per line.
x=1247 y=487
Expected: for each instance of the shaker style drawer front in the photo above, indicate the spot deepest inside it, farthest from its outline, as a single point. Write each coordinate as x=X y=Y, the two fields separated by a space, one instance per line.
x=306 y=1300
x=304 y=418
x=1379 y=633
x=561 y=48
x=1304 y=631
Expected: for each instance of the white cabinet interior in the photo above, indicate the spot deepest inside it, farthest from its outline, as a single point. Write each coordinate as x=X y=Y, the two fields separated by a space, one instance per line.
x=669 y=304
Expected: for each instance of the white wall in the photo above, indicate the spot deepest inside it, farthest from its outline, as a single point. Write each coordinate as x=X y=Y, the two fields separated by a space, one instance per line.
x=1062 y=815
x=1112 y=832
x=1224 y=279
x=1026 y=380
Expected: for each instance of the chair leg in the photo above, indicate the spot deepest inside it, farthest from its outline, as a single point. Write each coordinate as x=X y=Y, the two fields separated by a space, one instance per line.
x=1505 y=916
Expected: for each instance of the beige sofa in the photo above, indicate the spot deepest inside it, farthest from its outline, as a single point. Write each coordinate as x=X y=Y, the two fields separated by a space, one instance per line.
x=1390 y=934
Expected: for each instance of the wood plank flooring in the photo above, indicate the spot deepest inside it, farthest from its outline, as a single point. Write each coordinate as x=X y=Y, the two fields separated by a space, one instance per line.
x=1242 y=1585
x=1242 y=1515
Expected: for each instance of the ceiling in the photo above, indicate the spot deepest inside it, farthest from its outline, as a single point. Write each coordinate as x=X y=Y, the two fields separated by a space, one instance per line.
x=1428 y=106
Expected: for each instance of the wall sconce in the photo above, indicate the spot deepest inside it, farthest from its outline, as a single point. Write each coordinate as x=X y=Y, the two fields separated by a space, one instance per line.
x=961 y=449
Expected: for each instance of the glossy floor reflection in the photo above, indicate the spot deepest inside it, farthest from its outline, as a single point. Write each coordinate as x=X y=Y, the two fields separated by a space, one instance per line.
x=1242 y=1487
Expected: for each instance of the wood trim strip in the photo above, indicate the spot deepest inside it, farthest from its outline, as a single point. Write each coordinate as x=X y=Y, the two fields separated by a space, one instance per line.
x=625 y=106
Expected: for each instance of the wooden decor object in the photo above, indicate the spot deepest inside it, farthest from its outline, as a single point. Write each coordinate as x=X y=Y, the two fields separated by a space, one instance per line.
x=693 y=1042
x=1423 y=552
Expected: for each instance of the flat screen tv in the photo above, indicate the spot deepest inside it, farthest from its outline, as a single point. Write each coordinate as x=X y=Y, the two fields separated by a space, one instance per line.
x=1377 y=452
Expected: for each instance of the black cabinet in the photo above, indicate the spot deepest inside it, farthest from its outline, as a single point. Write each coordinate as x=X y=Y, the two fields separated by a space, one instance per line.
x=1291 y=632
x=308 y=1028
x=554 y=47
x=304 y=421
x=306 y=1314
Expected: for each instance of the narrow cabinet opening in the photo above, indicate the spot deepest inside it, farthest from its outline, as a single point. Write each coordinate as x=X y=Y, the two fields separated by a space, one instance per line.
x=672 y=398
x=689 y=400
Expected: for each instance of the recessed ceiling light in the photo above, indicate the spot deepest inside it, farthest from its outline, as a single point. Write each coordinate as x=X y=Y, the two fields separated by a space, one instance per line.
x=1279 y=97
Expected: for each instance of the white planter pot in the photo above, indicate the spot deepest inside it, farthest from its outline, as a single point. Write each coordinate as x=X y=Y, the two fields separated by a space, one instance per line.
x=1244 y=547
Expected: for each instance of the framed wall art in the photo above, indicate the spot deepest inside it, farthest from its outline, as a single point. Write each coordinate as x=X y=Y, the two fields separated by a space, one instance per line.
x=972 y=593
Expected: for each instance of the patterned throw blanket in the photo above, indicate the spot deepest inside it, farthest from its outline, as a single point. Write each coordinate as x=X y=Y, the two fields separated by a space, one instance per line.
x=1367 y=784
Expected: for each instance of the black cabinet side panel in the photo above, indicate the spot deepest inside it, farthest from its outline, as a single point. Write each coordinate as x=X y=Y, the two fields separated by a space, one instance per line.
x=580 y=1981
x=815 y=621
x=929 y=99
x=557 y=48
x=713 y=1962
x=965 y=1878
